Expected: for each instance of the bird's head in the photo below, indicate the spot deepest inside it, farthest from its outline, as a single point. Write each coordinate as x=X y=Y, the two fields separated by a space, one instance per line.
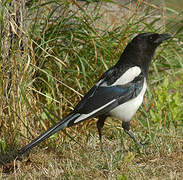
x=146 y=41
x=141 y=49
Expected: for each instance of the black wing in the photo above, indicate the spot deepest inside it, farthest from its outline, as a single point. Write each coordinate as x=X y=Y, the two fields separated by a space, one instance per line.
x=99 y=96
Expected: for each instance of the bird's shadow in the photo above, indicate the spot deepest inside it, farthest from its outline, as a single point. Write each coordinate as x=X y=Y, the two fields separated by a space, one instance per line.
x=8 y=161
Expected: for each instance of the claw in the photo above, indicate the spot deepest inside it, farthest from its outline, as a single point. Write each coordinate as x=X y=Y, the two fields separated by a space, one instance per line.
x=126 y=127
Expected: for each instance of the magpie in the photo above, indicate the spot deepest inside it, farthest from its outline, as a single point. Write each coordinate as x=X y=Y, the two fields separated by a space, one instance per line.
x=118 y=93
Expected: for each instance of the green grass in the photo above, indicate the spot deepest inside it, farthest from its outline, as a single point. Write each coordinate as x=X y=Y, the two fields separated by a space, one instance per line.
x=56 y=61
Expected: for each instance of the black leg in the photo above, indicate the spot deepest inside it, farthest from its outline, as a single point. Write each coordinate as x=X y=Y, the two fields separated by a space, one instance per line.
x=100 y=125
x=126 y=127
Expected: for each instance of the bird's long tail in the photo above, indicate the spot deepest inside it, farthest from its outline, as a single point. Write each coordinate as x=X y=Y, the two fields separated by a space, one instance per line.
x=60 y=125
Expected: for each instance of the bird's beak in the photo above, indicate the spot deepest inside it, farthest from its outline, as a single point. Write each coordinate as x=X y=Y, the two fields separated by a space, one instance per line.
x=162 y=37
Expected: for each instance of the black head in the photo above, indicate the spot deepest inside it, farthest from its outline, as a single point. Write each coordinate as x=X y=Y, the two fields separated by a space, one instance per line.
x=141 y=49
x=145 y=41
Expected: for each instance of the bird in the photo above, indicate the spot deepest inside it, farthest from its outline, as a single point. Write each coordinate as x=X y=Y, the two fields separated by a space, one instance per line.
x=119 y=91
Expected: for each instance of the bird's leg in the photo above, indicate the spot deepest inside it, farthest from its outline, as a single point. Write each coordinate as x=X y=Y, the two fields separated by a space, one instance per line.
x=100 y=125
x=126 y=127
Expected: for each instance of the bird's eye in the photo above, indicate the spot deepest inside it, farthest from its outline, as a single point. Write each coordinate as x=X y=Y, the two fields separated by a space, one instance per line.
x=151 y=38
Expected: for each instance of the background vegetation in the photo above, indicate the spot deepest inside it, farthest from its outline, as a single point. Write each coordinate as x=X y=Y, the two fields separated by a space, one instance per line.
x=54 y=57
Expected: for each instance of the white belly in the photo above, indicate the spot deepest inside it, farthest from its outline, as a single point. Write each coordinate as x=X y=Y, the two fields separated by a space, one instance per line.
x=127 y=110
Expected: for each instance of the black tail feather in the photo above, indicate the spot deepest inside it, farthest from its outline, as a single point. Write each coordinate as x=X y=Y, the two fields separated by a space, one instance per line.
x=60 y=125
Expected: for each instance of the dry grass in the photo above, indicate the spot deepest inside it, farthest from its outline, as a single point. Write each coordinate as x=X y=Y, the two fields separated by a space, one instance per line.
x=58 y=58
x=117 y=161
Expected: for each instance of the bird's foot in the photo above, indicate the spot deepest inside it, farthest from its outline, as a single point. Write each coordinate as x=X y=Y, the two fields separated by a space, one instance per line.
x=126 y=127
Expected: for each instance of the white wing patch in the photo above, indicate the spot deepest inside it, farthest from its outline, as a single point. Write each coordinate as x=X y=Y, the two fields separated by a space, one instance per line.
x=128 y=76
x=84 y=116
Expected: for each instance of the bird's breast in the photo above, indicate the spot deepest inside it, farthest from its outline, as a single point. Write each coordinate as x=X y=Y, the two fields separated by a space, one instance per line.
x=128 y=109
